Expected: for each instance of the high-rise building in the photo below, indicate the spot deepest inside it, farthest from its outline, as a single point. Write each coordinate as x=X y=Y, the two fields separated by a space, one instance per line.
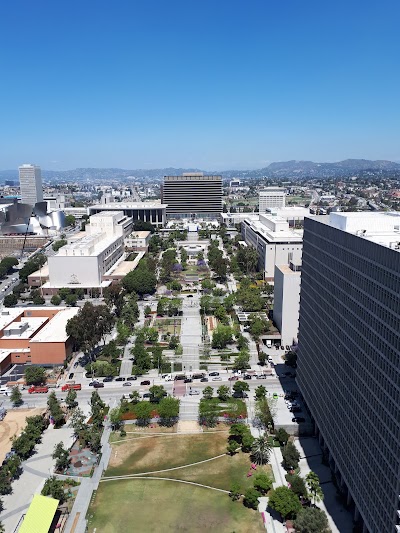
x=271 y=197
x=349 y=356
x=192 y=196
x=30 y=180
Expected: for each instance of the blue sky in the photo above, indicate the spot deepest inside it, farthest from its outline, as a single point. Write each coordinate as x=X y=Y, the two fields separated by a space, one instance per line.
x=197 y=83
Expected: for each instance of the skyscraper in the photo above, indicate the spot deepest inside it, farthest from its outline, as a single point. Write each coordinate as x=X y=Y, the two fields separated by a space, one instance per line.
x=30 y=180
x=349 y=356
x=192 y=195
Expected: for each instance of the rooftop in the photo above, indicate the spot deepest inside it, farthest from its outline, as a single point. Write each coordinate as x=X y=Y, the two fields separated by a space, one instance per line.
x=381 y=228
x=23 y=329
x=129 y=205
x=54 y=331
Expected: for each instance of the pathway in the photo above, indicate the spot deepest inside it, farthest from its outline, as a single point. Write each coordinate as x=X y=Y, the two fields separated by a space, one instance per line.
x=191 y=334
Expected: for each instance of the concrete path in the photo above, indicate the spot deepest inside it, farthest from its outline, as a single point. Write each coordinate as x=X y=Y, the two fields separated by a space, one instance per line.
x=189 y=409
x=77 y=519
x=191 y=334
x=35 y=471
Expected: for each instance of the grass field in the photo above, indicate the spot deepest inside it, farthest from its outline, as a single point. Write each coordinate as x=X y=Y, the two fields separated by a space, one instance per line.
x=153 y=506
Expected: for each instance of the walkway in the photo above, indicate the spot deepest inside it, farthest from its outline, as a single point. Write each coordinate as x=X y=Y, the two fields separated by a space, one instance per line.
x=36 y=470
x=191 y=334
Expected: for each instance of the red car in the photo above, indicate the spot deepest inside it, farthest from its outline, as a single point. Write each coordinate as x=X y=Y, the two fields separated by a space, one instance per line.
x=233 y=378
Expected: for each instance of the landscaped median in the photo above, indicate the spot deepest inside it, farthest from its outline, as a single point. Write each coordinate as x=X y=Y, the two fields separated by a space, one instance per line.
x=191 y=493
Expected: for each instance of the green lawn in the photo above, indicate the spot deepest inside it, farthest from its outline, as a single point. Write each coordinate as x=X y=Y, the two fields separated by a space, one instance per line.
x=155 y=506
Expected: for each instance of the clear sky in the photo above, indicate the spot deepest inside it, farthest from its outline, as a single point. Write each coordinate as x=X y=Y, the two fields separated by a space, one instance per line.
x=212 y=84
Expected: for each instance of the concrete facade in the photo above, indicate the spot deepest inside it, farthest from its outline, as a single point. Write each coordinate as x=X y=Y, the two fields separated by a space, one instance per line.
x=287 y=301
x=276 y=243
x=271 y=197
x=30 y=181
x=152 y=212
x=349 y=356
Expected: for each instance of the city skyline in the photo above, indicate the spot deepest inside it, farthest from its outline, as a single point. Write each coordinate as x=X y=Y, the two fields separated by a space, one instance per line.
x=209 y=86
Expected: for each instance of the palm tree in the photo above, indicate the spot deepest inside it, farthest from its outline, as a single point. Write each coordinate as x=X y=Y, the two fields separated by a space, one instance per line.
x=261 y=450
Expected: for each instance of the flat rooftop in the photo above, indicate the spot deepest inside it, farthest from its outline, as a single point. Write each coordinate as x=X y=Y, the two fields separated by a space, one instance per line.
x=54 y=331
x=4 y=354
x=287 y=235
x=380 y=227
x=139 y=234
x=23 y=329
x=124 y=267
x=118 y=206
x=9 y=315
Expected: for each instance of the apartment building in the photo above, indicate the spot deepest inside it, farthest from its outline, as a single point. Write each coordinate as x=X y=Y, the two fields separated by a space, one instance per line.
x=349 y=356
x=287 y=301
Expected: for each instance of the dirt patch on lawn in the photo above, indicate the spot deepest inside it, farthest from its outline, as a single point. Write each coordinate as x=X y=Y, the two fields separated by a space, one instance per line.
x=13 y=423
x=157 y=453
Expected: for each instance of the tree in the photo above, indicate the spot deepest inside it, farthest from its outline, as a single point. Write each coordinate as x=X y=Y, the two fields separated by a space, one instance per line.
x=251 y=498
x=284 y=501
x=282 y=436
x=89 y=326
x=223 y=393
x=222 y=335
x=261 y=450
x=262 y=482
x=168 y=410
x=157 y=393
x=55 y=409
x=242 y=342
x=143 y=413
x=5 y=482
x=59 y=244
x=232 y=447
x=147 y=310
x=135 y=396
x=13 y=466
x=10 y=300
x=78 y=422
x=94 y=441
x=70 y=220
x=37 y=298
x=35 y=375
x=258 y=326
x=242 y=360
x=235 y=492
x=61 y=455
x=260 y=392
x=311 y=520
x=208 y=393
x=241 y=386
x=55 y=488
x=221 y=268
x=71 y=300
x=314 y=488
x=16 y=396
x=263 y=414
x=141 y=280
x=291 y=457
x=297 y=484
x=55 y=300
x=291 y=359
x=70 y=400
x=247 y=259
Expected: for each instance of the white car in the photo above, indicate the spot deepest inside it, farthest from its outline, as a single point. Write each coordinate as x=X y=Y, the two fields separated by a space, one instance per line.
x=217 y=378
x=194 y=393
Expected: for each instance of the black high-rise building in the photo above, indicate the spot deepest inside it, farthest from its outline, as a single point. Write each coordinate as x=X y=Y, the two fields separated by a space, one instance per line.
x=349 y=356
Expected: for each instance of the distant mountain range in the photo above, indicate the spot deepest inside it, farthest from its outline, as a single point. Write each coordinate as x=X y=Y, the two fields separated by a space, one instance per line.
x=286 y=169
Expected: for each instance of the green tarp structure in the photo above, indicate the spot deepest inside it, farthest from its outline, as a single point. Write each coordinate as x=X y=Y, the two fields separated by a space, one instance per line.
x=40 y=515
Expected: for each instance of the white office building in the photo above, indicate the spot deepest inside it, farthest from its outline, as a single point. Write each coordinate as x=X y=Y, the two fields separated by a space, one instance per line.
x=86 y=259
x=276 y=243
x=271 y=197
x=287 y=301
x=30 y=180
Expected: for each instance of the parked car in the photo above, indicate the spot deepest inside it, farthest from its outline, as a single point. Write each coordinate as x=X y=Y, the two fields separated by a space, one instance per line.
x=188 y=380
x=76 y=365
x=98 y=385
x=262 y=376
x=189 y=296
x=276 y=347
x=298 y=419
x=108 y=379
x=204 y=380
x=132 y=378
x=287 y=347
x=146 y=396
x=92 y=383
x=238 y=394
x=198 y=376
x=71 y=375
x=127 y=384
x=213 y=373
x=295 y=409
x=120 y=379
x=247 y=376
x=145 y=382
x=282 y=347
x=217 y=378
x=233 y=378
x=275 y=396
x=194 y=392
